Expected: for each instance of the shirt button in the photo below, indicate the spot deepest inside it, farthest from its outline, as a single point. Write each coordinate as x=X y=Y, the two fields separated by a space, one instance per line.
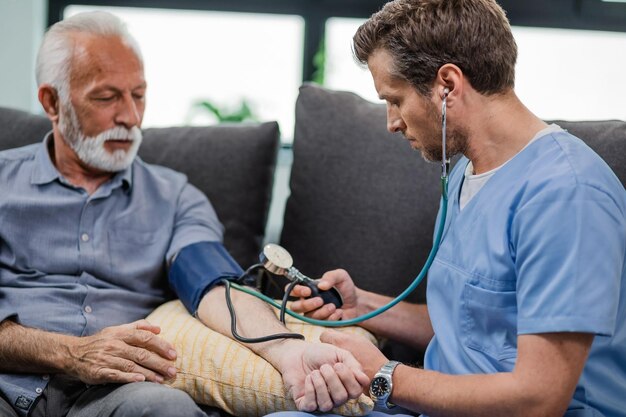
x=84 y=237
x=38 y=390
x=88 y=309
x=45 y=377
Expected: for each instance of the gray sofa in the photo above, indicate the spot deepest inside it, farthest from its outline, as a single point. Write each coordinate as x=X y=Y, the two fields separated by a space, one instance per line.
x=360 y=197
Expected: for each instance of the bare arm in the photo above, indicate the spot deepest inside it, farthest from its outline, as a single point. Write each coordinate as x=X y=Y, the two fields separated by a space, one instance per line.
x=542 y=383
x=316 y=377
x=405 y=322
x=30 y=350
x=120 y=354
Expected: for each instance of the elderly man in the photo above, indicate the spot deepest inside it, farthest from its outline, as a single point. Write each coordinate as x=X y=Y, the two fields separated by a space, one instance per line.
x=86 y=232
x=527 y=293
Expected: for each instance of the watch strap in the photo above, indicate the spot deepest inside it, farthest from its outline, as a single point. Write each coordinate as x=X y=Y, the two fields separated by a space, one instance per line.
x=389 y=367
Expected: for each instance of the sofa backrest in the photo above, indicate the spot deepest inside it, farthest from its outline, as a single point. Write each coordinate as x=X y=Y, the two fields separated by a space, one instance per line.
x=232 y=164
x=363 y=200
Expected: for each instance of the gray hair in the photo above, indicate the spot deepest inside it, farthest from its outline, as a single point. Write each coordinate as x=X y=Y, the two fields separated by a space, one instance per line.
x=56 y=51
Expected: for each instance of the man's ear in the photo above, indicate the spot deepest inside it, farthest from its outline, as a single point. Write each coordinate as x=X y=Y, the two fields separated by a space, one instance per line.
x=49 y=99
x=449 y=77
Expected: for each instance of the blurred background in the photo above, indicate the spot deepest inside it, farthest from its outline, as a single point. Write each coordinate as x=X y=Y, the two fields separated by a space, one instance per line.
x=212 y=60
x=208 y=61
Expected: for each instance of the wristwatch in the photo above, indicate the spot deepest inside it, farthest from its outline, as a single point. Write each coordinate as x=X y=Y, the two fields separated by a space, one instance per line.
x=382 y=384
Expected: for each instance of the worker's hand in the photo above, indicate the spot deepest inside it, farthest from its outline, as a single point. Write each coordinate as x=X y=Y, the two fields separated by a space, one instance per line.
x=320 y=376
x=121 y=354
x=315 y=307
x=363 y=349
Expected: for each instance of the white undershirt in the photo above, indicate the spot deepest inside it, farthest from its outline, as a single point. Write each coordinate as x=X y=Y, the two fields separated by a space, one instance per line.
x=473 y=183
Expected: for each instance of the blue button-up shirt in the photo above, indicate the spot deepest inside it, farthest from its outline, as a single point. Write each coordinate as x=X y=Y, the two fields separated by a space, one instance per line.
x=76 y=263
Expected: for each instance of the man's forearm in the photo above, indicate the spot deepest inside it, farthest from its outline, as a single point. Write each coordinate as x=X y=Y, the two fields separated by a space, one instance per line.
x=405 y=322
x=317 y=376
x=254 y=319
x=25 y=350
x=542 y=383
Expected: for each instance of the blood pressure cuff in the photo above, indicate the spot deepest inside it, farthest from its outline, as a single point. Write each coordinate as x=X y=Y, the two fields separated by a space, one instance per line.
x=197 y=268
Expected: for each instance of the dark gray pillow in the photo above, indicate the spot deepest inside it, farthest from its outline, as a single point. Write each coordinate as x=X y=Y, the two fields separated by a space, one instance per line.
x=232 y=164
x=19 y=128
x=361 y=198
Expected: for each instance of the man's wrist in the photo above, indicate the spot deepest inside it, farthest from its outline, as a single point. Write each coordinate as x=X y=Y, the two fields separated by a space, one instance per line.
x=62 y=357
x=282 y=353
x=381 y=386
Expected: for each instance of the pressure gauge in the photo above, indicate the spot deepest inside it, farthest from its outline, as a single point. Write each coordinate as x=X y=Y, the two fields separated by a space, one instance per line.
x=276 y=259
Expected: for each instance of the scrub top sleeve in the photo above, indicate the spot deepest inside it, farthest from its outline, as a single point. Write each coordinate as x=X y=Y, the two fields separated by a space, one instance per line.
x=195 y=221
x=569 y=247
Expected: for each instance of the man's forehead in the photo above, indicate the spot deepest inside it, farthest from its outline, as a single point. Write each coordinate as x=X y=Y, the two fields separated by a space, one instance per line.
x=95 y=56
x=381 y=66
x=100 y=48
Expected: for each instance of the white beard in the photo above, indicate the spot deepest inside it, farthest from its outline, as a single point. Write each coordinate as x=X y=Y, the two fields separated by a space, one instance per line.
x=90 y=149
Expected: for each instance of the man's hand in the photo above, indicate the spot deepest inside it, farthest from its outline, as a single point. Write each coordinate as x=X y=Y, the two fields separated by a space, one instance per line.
x=320 y=377
x=315 y=307
x=368 y=355
x=121 y=354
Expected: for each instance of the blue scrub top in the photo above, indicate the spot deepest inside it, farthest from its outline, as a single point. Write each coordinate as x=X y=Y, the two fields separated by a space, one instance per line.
x=541 y=248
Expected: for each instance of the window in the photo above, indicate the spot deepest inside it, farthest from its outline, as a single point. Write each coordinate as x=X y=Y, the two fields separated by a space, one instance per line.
x=243 y=51
x=571 y=74
x=342 y=70
x=222 y=57
x=560 y=73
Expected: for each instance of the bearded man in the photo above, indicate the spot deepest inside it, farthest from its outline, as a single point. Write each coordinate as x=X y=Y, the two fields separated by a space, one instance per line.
x=86 y=234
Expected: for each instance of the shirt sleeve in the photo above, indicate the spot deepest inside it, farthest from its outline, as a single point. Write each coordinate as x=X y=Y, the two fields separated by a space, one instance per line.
x=569 y=247
x=195 y=221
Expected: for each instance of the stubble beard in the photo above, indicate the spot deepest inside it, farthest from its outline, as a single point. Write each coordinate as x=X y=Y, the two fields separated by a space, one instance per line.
x=457 y=139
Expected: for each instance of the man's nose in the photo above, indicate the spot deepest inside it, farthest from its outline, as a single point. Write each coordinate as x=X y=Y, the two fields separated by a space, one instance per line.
x=128 y=113
x=394 y=122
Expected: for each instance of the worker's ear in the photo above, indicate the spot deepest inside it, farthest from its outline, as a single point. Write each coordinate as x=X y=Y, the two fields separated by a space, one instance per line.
x=49 y=99
x=449 y=83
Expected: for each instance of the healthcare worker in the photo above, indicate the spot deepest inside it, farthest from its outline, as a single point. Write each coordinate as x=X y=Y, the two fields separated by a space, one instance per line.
x=526 y=297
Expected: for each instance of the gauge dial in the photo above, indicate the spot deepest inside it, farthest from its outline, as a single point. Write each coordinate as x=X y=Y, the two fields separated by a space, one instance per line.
x=277 y=256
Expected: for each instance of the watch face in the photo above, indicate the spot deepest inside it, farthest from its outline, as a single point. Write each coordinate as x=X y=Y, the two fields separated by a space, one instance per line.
x=379 y=386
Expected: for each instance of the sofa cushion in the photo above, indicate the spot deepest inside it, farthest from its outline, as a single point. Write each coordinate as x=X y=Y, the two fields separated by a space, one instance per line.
x=361 y=198
x=19 y=128
x=232 y=164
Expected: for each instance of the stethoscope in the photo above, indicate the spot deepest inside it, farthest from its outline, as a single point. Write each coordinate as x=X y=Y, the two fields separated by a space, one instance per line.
x=278 y=261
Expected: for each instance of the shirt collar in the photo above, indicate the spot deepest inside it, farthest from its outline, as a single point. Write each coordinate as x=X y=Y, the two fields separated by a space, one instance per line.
x=45 y=172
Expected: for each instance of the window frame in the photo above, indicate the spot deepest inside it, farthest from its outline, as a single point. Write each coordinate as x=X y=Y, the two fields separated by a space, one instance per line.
x=562 y=14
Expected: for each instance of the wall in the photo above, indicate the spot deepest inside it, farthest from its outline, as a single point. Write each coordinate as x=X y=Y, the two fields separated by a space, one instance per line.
x=22 y=24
